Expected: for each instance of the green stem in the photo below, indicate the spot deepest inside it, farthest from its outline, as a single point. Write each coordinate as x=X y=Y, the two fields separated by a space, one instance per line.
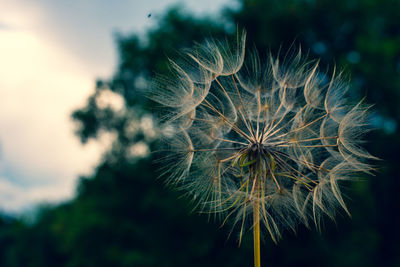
x=256 y=234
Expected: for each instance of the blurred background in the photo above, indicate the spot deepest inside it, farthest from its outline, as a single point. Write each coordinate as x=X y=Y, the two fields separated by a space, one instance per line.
x=78 y=185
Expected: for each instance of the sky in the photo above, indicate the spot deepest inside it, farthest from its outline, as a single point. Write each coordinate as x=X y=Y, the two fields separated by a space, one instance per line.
x=51 y=53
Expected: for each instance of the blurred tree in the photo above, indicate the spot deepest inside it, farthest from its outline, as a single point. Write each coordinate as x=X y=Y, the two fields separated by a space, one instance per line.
x=124 y=216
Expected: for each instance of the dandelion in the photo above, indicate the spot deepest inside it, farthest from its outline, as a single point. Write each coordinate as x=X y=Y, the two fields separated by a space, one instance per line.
x=261 y=143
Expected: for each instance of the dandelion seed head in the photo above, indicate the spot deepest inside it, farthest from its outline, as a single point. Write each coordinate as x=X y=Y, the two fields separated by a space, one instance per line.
x=274 y=136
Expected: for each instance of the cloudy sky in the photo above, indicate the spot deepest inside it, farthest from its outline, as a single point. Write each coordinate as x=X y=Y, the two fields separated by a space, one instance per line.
x=51 y=52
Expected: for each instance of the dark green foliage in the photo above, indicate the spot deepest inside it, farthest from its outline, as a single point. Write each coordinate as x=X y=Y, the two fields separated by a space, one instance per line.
x=124 y=216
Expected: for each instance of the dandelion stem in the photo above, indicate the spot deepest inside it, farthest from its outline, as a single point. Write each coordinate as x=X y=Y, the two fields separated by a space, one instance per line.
x=256 y=233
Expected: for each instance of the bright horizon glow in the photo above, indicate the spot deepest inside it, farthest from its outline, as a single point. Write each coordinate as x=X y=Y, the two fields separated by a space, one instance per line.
x=40 y=157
